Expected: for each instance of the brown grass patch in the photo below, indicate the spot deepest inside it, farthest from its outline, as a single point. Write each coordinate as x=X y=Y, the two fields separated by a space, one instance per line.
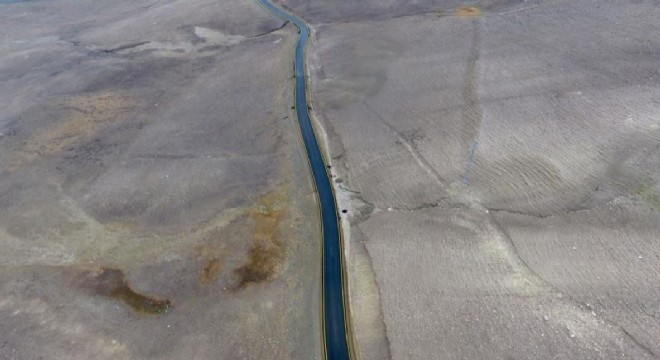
x=267 y=252
x=210 y=271
x=211 y=255
x=112 y=283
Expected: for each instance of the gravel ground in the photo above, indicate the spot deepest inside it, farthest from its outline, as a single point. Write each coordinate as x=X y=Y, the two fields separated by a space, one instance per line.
x=500 y=163
x=155 y=200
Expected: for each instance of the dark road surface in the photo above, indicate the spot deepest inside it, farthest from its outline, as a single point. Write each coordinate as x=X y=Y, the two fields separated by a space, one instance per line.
x=333 y=300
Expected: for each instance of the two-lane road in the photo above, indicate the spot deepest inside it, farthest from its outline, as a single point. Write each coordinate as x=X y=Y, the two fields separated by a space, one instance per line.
x=334 y=324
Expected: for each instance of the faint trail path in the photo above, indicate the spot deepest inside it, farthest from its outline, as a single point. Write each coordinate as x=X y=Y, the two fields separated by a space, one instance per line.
x=472 y=114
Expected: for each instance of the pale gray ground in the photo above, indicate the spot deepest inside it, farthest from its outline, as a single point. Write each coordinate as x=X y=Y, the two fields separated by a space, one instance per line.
x=501 y=172
x=148 y=152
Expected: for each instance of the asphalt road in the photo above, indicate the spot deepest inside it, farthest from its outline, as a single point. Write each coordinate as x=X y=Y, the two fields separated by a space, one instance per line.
x=333 y=300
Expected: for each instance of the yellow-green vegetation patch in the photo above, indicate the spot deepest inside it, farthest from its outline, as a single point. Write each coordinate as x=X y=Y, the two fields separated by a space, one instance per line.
x=468 y=11
x=649 y=195
x=85 y=115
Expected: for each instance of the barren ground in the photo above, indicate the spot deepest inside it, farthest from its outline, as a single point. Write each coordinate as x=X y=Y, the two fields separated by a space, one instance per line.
x=155 y=200
x=500 y=164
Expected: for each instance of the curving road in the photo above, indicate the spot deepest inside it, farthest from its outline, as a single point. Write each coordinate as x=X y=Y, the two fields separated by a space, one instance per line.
x=334 y=324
